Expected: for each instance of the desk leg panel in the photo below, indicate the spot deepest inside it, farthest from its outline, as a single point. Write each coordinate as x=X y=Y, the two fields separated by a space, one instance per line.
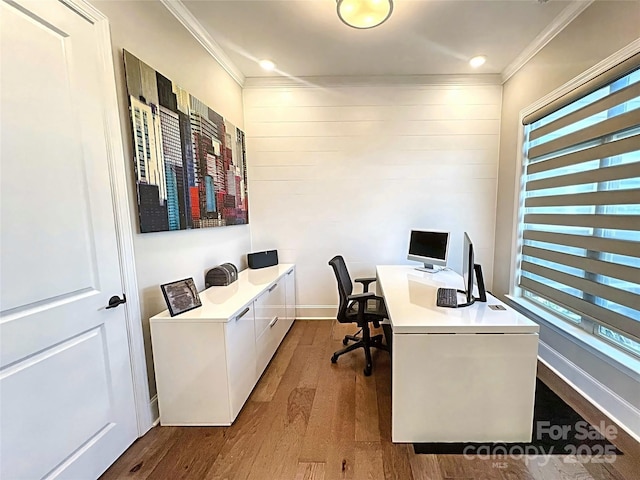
x=463 y=387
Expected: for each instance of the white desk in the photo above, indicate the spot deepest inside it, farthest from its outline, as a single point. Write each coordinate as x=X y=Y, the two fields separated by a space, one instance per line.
x=458 y=375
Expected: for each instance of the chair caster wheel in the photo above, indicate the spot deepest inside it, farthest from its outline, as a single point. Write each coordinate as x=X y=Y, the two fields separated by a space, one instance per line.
x=345 y=341
x=367 y=371
x=334 y=359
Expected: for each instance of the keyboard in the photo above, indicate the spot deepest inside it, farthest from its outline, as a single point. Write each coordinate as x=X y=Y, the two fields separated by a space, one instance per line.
x=447 y=297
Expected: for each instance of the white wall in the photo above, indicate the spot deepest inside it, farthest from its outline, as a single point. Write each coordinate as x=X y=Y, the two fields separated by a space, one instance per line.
x=150 y=32
x=351 y=169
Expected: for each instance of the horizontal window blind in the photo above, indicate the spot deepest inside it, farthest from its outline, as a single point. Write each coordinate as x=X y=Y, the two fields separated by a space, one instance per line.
x=580 y=228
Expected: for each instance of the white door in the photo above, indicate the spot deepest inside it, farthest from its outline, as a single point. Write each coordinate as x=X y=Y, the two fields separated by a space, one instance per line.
x=67 y=405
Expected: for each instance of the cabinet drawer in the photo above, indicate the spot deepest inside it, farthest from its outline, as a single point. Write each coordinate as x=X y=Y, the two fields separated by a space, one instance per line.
x=267 y=343
x=269 y=305
x=241 y=358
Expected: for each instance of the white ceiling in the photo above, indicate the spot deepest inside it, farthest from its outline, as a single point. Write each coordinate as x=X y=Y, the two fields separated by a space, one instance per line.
x=422 y=37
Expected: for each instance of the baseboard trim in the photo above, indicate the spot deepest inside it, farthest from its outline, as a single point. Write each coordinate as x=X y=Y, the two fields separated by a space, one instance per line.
x=594 y=392
x=316 y=318
x=316 y=312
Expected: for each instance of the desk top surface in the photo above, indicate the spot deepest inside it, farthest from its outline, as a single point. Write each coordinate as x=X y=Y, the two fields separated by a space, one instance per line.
x=410 y=296
x=219 y=304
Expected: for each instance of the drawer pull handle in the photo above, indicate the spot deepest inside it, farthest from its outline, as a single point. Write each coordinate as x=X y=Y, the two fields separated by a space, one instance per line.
x=244 y=312
x=273 y=287
x=273 y=322
x=289 y=272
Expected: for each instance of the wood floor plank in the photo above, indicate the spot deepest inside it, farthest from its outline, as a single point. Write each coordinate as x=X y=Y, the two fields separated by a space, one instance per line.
x=298 y=419
x=556 y=467
x=509 y=468
x=309 y=333
x=341 y=460
x=368 y=461
x=318 y=420
x=339 y=330
x=193 y=454
x=493 y=467
x=243 y=439
x=323 y=333
x=366 y=428
x=452 y=467
x=143 y=456
x=317 y=355
x=278 y=455
x=310 y=471
x=397 y=461
x=343 y=419
x=604 y=471
x=333 y=412
x=288 y=415
x=425 y=467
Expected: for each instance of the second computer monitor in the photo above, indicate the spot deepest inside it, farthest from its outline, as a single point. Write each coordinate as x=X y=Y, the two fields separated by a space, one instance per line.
x=429 y=247
x=468 y=267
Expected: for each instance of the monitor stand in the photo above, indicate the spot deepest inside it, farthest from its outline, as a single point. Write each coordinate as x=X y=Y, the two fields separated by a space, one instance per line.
x=468 y=304
x=429 y=268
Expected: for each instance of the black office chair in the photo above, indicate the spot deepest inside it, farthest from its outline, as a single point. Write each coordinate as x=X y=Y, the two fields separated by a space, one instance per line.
x=362 y=308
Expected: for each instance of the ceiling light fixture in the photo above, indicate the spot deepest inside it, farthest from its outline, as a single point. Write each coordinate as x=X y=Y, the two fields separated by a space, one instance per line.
x=364 y=13
x=267 y=64
x=478 y=61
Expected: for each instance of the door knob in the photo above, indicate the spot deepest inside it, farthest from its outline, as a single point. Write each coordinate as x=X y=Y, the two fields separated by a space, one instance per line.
x=116 y=300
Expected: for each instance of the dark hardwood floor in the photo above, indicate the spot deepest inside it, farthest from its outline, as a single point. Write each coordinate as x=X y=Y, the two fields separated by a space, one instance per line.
x=308 y=419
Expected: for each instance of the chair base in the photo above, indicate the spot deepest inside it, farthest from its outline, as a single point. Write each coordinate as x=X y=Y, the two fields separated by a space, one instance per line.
x=375 y=341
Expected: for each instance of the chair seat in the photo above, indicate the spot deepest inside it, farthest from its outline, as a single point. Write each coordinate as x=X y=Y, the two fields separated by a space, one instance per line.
x=375 y=307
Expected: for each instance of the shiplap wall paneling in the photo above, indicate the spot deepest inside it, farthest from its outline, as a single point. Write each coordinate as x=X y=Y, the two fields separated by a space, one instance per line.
x=350 y=170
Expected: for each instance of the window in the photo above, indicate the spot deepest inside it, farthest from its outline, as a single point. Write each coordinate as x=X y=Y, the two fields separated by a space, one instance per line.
x=579 y=229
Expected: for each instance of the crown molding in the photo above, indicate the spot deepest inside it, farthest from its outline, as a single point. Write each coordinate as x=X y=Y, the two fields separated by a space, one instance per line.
x=372 y=80
x=186 y=18
x=608 y=63
x=85 y=10
x=567 y=16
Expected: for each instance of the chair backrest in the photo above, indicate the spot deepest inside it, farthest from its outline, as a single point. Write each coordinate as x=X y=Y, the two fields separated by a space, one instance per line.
x=345 y=287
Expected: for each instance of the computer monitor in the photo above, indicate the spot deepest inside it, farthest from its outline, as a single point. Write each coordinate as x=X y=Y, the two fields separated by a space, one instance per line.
x=467 y=267
x=429 y=247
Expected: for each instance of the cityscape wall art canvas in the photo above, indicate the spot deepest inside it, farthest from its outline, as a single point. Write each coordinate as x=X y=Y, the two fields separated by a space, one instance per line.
x=189 y=162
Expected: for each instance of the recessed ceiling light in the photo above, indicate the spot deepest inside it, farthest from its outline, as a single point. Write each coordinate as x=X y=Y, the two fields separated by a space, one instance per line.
x=478 y=61
x=267 y=64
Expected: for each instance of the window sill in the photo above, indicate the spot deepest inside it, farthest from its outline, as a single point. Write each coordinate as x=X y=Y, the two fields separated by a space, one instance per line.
x=617 y=358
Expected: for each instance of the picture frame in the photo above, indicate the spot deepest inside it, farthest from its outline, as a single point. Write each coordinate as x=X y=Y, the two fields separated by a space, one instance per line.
x=181 y=296
x=189 y=162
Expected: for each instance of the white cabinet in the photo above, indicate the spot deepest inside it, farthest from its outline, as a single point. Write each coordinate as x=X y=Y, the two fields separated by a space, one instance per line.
x=208 y=360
